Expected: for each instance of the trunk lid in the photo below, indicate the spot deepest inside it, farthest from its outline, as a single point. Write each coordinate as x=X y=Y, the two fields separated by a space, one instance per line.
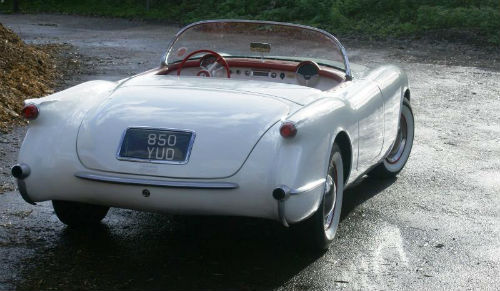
x=227 y=124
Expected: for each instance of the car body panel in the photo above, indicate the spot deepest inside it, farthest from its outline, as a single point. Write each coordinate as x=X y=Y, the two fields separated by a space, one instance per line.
x=393 y=84
x=227 y=126
x=294 y=93
x=237 y=142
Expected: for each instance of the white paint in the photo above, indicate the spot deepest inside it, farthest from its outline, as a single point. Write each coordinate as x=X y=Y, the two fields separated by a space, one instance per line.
x=237 y=139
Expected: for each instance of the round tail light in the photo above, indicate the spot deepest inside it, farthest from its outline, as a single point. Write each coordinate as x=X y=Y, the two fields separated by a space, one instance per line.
x=30 y=112
x=288 y=130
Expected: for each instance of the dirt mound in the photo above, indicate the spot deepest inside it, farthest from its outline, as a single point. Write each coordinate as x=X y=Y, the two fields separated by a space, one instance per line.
x=26 y=71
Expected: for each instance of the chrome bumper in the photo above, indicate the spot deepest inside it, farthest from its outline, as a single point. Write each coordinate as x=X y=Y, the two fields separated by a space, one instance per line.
x=156 y=182
x=283 y=192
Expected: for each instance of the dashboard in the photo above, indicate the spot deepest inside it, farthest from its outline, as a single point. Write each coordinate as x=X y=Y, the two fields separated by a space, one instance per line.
x=306 y=73
x=281 y=76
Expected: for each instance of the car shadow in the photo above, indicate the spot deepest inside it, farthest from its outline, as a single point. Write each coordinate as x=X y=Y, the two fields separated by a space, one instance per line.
x=135 y=250
x=361 y=191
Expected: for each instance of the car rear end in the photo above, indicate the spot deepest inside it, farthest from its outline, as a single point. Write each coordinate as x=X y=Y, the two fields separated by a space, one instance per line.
x=114 y=151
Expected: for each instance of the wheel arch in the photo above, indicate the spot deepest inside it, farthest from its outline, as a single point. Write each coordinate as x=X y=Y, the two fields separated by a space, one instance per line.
x=320 y=125
x=407 y=94
x=344 y=142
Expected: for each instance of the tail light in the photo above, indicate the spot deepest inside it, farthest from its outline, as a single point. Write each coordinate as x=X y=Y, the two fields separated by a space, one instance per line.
x=288 y=129
x=30 y=112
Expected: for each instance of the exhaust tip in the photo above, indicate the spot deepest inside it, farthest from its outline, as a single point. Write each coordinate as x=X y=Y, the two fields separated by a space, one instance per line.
x=20 y=171
x=279 y=194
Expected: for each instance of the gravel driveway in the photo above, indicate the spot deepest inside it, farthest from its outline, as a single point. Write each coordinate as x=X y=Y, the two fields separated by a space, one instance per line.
x=435 y=227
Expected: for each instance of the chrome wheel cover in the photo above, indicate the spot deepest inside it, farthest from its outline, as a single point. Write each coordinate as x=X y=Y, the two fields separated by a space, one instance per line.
x=400 y=142
x=329 y=197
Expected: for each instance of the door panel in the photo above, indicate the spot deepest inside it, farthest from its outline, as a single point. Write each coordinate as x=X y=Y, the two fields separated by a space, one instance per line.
x=369 y=107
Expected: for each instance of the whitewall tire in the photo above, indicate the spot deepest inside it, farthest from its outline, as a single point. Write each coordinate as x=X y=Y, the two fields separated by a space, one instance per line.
x=319 y=230
x=396 y=159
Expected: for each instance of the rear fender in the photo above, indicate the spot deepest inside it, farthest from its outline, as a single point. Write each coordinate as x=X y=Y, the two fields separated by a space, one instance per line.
x=302 y=160
x=305 y=157
x=70 y=105
x=54 y=131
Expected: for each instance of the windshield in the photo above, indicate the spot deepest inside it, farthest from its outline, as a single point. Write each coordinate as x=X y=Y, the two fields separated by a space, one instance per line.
x=258 y=39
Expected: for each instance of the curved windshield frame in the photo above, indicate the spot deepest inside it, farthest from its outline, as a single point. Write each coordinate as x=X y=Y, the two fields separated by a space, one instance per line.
x=259 y=40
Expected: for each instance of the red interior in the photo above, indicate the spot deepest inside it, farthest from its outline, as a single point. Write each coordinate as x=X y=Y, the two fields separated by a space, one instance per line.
x=220 y=60
x=258 y=64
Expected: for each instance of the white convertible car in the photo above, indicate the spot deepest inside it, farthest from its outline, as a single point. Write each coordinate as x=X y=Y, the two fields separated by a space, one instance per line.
x=246 y=118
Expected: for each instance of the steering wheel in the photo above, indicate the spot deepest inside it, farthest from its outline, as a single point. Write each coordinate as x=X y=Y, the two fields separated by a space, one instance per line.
x=206 y=71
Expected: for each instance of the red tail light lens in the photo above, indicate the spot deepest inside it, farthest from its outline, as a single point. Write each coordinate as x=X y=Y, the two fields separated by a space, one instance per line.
x=30 y=112
x=288 y=130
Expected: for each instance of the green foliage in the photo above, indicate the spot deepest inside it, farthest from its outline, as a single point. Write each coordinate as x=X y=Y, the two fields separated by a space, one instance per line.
x=369 y=17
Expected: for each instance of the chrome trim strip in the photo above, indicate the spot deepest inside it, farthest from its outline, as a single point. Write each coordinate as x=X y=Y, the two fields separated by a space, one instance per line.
x=347 y=65
x=155 y=183
x=188 y=152
x=281 y=213
x=21 y=185
x=291 y=192
x=308 y=187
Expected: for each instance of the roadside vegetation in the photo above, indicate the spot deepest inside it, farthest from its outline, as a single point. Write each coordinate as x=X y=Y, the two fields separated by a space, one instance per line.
x=26 y=71
x=476 y=19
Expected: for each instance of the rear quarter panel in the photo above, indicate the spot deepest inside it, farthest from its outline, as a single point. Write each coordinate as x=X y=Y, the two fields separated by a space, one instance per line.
x=305 y=157
x=50 y=141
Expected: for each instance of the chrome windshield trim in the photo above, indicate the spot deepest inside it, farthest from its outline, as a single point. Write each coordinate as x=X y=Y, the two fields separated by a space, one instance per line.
x=155 y=183
x=188 y=152
x=348 y=72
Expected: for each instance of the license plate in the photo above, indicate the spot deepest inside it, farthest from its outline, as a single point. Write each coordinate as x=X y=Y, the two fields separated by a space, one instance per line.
x=156 y=145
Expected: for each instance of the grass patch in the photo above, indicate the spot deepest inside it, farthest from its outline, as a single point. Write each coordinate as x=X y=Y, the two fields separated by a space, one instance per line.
x=376 y=18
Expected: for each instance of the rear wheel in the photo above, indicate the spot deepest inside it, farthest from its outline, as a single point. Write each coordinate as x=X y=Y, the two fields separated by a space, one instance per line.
x=400 y=152
x=321 y=227
x=79 y=214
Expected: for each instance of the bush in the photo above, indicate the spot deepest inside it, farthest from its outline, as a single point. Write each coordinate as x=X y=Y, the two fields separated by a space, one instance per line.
x=370 y=17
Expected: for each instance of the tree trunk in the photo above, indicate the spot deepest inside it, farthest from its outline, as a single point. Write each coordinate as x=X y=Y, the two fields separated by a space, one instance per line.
x=15 y=5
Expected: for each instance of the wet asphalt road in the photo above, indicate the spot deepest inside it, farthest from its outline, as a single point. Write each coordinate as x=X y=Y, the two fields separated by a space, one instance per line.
x=435 y=227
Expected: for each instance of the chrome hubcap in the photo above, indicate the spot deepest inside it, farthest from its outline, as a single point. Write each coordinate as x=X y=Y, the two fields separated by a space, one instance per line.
x=400 y=143
x=330 y=198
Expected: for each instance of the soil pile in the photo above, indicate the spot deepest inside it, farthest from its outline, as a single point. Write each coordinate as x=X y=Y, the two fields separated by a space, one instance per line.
x=26 y=71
